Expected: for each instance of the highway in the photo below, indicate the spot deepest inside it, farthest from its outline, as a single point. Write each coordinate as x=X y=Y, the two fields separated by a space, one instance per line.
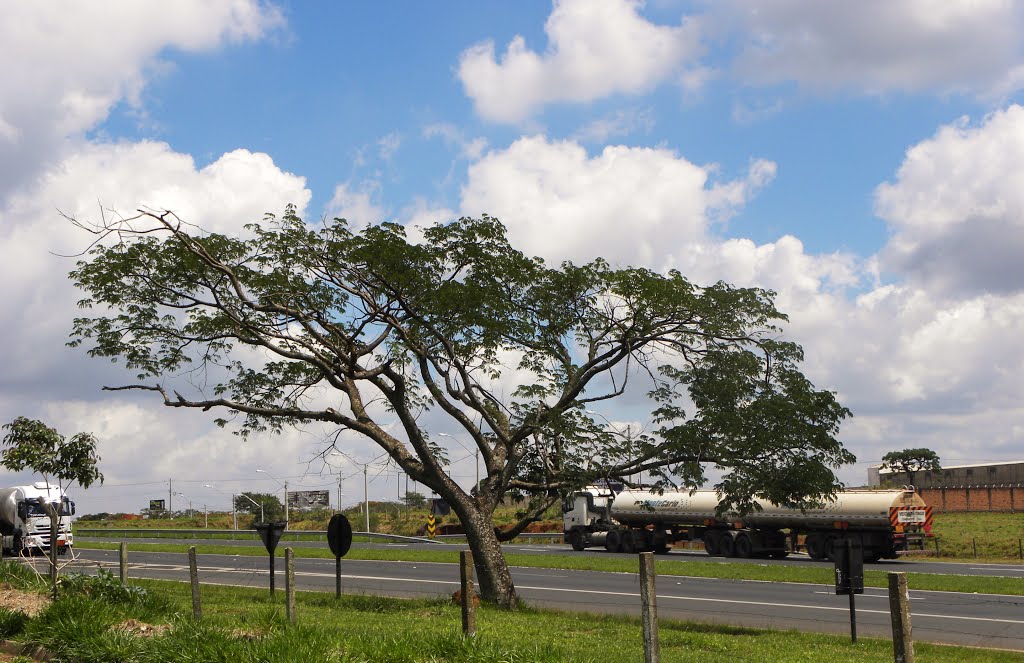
x=955 y=618
x=908 y=564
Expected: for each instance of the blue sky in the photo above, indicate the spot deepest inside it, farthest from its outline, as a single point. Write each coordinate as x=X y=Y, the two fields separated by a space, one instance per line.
x=862 y=159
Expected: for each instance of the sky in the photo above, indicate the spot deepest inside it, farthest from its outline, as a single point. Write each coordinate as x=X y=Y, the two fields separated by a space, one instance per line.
x=863 y=160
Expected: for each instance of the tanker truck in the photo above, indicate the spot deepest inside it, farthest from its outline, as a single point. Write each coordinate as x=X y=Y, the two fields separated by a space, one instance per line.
x=883 y=523
x=25 y=523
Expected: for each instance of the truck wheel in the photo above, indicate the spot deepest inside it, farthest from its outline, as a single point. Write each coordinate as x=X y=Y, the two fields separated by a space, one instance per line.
x=815 y=546
x=743 y=546
x=629 y=542
x=576 y=540
x=613 y=542
x=712 y=544
x=728 y=545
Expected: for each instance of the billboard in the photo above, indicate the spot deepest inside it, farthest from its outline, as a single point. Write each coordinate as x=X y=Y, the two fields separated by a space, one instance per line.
x=309 y=499
x=157 y=505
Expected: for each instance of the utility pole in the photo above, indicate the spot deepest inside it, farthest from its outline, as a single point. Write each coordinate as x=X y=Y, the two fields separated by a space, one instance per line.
x=170 y=492
x=286 y=505
x=366 y=499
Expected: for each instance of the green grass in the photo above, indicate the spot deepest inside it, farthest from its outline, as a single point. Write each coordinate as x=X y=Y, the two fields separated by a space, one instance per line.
x=996 y=536
x=816 y=574
x=244 y=625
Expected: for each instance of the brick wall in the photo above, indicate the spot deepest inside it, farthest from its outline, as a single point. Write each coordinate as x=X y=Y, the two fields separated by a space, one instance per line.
x=975 y=498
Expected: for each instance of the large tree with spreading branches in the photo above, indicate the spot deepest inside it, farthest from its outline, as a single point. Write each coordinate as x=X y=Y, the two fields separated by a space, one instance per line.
x=374 y=332
x=912 y=461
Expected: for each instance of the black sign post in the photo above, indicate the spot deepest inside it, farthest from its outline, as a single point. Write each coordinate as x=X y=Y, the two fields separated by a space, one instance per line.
x=849 y=560
x=339 y=538
x=270 y=534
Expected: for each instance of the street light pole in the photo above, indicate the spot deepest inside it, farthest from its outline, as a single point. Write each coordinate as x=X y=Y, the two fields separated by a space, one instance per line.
x=285 y=494
x=234 y=512
x=366 y=500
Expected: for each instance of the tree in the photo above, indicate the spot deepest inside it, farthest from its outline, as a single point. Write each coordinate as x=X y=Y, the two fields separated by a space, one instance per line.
x=31 y=444
x=272 y=510
x=911 y=461
x=414 y=500
x=369 y=332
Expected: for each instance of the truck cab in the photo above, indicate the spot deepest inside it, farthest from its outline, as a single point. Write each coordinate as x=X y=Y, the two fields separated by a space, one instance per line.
x=25 y=518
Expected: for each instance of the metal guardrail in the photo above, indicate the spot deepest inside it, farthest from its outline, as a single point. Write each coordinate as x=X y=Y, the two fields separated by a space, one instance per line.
x=203 y=533
x=294 y=534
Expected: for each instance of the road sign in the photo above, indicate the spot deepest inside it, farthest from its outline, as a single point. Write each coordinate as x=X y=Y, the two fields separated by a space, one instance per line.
x=270 y=534
x=431 y=526
x=339 y=535
x=157 y=505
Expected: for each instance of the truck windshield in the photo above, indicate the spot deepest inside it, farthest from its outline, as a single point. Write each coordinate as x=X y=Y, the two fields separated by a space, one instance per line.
x=36 y=509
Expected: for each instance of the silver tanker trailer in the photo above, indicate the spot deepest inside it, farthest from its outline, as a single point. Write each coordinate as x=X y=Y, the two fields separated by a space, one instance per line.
x=24 y=522
x=884 y=523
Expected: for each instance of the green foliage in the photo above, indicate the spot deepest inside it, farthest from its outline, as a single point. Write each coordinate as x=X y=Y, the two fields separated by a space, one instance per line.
x=12 y=622
x=288 y=311
x=249 y=502
x=911 y=461
x=414 y=500
x=34 y=445
x=103 y=586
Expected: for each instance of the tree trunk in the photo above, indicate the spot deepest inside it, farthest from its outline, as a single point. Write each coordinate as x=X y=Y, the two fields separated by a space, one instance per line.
x=54 y=526
x=493 y=576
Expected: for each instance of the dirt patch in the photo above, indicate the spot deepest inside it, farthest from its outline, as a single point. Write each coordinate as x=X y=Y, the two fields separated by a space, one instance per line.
x=29 y=603
x=135 y=627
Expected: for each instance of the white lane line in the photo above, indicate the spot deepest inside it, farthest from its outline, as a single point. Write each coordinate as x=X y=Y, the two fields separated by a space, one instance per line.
x=770 y=605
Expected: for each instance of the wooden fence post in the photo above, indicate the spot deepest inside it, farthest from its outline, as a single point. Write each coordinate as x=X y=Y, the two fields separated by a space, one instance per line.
x=468 y=593
x=289 y=584
x=649 y=609
x=193 y=572
x=123 y=554
x=899 y=611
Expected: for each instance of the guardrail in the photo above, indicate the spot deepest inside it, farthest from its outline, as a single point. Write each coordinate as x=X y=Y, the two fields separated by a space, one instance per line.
x=293 y=534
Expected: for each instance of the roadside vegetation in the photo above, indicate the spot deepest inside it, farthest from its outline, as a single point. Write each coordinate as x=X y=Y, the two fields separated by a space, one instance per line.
x=994 y=537
x=98 y=620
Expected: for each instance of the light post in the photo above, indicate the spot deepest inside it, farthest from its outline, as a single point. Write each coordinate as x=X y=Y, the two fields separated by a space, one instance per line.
x=259 y=504
x=476 y=453
x=627 y=436
x=285 y=486
x=189 y=500
x=234 y=513
x=366 y=492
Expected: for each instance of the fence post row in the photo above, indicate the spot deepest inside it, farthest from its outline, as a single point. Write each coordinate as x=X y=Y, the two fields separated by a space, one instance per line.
x=193 y=572
x=649 y=609
x=123 y=555
x=899 y=611
x=468 y=593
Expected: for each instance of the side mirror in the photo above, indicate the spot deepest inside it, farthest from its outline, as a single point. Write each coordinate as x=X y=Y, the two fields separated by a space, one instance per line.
x=22 y=511
x=72 y=504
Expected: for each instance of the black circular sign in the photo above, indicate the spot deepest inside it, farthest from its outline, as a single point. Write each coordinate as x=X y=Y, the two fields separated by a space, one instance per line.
x=339 y=535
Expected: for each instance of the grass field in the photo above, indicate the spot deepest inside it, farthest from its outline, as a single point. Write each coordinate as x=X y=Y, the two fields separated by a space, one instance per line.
x=244 y=625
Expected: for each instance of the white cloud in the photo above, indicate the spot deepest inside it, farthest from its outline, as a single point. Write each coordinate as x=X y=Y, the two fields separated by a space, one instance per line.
x=64 y=65
x=595 y=48
x=877 y=46
x=626 y=204
x=355 y=204
x=468 y=148
x=620 y=123
x=956 y=208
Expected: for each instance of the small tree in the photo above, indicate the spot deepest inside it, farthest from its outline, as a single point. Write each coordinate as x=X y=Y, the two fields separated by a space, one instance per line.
x=272 y=509
x=414 y=500
x=31 y=444
x=911 y=461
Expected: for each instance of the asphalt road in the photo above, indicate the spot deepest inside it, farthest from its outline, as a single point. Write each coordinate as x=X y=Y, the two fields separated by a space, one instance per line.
x=955 y=618
x=908 y=564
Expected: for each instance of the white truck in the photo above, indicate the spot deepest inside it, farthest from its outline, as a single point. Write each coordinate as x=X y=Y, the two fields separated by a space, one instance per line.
x=884 y=523
x=25 y=523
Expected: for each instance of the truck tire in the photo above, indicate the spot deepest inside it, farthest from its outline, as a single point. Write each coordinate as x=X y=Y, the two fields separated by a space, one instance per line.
x=728 y=545
x=576 y=540
x=744 y=546
x=816 y=546
x=613 y=543
x=713 y=543
x=629 y=542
